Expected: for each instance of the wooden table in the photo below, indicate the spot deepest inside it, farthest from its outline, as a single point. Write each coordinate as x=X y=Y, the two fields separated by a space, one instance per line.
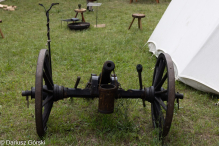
x=69 y=20
x=82 y=10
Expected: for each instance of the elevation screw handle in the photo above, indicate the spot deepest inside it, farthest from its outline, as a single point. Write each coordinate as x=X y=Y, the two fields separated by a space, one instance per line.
x=139 y=70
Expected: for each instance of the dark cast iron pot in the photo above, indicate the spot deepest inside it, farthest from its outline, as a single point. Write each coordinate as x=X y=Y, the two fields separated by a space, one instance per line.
x=79 y=26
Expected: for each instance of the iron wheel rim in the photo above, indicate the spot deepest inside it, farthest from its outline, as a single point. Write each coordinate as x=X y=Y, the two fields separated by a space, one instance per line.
x=161 y=76
x=43 y=80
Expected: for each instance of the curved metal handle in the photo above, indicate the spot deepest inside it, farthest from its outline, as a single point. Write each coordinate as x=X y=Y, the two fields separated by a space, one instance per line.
x=42 y=6
x=53 y=4
x=48 y=29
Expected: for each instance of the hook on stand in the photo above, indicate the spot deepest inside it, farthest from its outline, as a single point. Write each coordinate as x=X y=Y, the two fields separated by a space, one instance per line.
x=48 y=29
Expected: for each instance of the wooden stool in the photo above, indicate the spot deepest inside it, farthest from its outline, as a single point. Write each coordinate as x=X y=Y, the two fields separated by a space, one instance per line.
x=132 y=1
x=139 y=16
x=80 y=11
x=1 y=31
x=136 y=1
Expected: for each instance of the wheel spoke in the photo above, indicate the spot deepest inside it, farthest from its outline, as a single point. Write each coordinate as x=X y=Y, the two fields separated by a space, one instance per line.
x=47 y=67
x=159 y=72
x=160 y=92
x=47 y=91
x=161 y=103
x=156 y=73
x=152 y=115
x=158 y=115
x=155 y=115
x=48 y=80
x=159 y=85
x=48 y=99
x=46 y=113
x=161 y=123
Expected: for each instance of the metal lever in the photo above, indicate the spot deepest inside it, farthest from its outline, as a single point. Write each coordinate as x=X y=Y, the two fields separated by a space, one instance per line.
x=139 y=70
x=76 y=85
x=77 y=82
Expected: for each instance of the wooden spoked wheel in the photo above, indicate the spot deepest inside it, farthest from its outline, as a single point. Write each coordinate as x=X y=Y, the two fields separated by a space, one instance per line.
x=43 y=92
x=164 y=89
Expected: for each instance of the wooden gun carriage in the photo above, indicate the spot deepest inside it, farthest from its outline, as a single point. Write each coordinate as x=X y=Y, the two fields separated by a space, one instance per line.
x=105 y=86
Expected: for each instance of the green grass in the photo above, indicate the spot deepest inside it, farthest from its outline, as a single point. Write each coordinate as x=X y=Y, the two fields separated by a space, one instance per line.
x=80 y=53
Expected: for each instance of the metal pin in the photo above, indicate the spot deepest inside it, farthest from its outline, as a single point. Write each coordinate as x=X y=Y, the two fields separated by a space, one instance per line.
x=178 y=102
x=27 y=98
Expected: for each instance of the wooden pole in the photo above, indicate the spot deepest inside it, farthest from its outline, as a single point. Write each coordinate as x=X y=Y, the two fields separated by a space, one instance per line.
x=1 y=31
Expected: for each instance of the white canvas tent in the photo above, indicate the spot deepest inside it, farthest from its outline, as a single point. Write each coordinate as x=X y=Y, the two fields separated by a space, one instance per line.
x=189 y=32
